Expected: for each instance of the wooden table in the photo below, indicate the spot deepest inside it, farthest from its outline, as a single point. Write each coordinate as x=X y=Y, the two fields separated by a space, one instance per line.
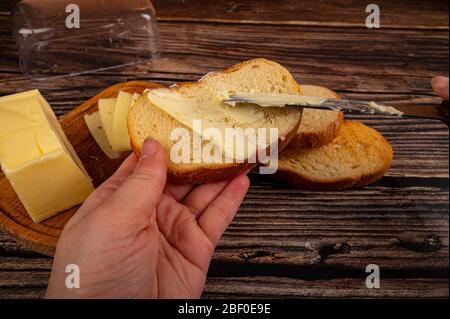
x=286 y=242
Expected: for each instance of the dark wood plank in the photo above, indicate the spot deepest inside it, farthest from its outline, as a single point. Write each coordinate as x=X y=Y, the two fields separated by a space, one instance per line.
x=20 y=293
x=392 y=76
x=23 y=284
x=301 y=236
x=33 y=285
x=276 y=287
x=21 y=263
x=394 y=14
x=420 y=146
x=344 y=59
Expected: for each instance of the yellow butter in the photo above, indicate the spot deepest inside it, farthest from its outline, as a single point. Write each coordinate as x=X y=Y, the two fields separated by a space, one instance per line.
x=37 y=158
x=213 y=113
x=49 y=185
x=19 y=114
x=21 y=147
x=120 y=140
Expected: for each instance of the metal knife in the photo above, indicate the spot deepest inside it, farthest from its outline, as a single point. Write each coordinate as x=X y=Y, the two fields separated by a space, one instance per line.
x=431 y=111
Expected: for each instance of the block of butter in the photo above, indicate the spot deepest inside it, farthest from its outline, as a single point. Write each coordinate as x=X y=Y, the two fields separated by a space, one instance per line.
x=37 y=158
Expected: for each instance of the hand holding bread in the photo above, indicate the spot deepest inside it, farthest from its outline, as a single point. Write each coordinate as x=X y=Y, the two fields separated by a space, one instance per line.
x=143 y=237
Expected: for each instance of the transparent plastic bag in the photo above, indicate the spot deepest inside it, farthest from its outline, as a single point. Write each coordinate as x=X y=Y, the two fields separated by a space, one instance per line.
x=65 y=38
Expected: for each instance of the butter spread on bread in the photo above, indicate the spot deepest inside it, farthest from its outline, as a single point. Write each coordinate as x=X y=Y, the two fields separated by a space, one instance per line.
x=260 y=75
x=213 y=113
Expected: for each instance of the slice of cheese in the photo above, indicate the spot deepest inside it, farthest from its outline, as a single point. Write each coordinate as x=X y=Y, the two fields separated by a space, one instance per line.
x=95 y=126
x=109 y=127
x=134 y=99
x=120 y=140
x=38 y=159
x=106 y=110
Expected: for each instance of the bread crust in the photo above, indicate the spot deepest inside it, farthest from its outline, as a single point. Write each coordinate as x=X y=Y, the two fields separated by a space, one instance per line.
x=237 y=67
x=300 y=181
x=313 y=140
x=317 y=139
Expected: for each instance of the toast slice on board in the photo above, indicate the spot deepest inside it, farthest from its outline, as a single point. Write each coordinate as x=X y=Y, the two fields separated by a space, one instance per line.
x=358 y=156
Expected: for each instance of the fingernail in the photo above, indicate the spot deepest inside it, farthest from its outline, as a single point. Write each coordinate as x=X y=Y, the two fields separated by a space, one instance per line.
x=149 y=148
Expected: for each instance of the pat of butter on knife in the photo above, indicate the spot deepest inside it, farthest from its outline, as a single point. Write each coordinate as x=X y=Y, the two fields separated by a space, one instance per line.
x=38 y=159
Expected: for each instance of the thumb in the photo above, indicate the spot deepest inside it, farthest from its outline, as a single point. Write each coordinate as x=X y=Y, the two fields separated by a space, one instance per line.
x=440 y=86
x=142 y=190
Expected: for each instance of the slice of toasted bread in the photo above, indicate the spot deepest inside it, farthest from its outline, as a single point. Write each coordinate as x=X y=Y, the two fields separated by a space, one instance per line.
x=358 y=156
x=259 y=75
x=318 y=127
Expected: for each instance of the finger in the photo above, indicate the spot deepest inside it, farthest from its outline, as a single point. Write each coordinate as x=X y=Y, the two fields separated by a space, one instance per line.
x=105 y=190
x=440 y=86
x=180 y=228
x=176 y=191
x=109 y=186
x=220 y=213
x=201 y=196
x=140 y=193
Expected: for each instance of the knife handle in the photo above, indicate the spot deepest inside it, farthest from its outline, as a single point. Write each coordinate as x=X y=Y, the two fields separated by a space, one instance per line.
x=444 y=108
x=437 y=112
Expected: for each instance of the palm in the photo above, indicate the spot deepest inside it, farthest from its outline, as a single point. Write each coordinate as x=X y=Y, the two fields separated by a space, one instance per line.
x=137 y=236
x=185 y=249
x=175 y=244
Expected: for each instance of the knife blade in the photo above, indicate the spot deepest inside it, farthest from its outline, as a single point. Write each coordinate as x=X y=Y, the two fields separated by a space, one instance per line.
x=348 y=106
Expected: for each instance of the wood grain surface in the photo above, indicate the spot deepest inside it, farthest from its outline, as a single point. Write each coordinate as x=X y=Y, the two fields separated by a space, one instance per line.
x=285 y=242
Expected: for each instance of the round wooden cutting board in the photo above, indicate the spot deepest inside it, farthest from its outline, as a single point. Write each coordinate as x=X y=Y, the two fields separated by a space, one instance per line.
x=43 y=237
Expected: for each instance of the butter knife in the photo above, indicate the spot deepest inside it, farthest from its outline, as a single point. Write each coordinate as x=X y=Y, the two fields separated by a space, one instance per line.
x=431 y=111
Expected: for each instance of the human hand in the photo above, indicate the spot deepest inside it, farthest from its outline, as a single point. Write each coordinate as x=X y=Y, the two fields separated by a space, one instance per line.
x=440 y=86
x=136 y=237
